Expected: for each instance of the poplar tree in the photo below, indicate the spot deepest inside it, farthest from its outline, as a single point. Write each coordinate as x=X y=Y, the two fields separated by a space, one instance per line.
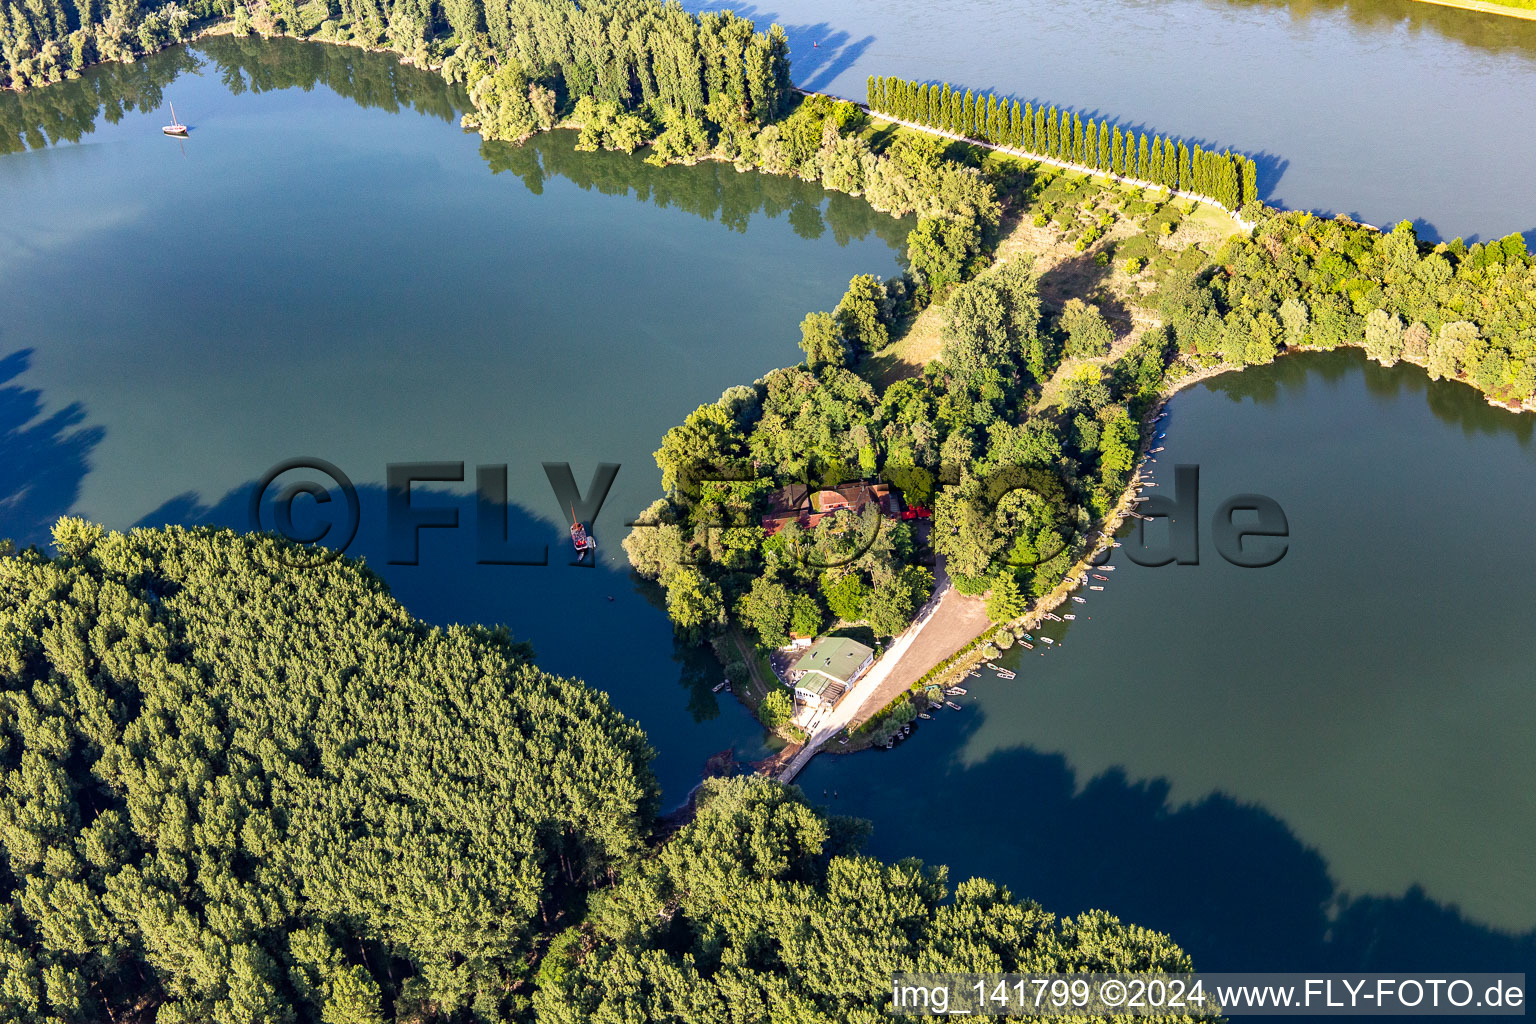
x=922 y=104
x=1077 y=139
x=872 y=94
x=990 y=123
x=1118 y=157
x=1042 y=133
x=1092 y=143
x=1186 y=174
x=945 y=120
x=1143 y=159
x=1250 y=182
x=1198 y=161
x=1027 y=138
x=1016 y=127
x=968 y=115
x=957 y=113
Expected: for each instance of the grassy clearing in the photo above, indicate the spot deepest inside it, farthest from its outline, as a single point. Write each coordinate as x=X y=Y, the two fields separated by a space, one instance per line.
x=1084 y=233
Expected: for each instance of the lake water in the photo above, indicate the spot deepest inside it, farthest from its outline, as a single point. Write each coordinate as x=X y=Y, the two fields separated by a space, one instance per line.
x=346 y=274
x=1324 y=763
x=1327 y=762
x=1388 y=110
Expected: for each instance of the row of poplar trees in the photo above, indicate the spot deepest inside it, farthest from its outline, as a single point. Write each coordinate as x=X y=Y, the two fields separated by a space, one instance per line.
x=1228 y=178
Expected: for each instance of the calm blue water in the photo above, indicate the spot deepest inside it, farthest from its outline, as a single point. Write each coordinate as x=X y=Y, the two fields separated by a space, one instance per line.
x=1388 y=110
x=363 y=282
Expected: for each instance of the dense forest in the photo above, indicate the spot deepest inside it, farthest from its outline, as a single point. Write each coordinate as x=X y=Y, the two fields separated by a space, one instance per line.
x=1013 y=489
x=1063 y=135
x=232 y=792
x=1463 y=312
x=761 y=909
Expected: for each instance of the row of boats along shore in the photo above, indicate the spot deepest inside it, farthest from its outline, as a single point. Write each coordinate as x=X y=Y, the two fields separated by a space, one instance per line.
x=1094 y=578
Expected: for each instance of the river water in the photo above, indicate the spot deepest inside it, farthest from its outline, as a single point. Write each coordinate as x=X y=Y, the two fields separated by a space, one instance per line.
x=1327 y=763
x=1387 y=110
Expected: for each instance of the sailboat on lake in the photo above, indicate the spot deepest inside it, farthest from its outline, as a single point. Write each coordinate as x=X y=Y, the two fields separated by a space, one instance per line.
x=175 y=127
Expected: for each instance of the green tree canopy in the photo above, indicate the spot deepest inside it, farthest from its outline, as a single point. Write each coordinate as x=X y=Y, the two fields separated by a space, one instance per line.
x=238 y=791
x=761 y=909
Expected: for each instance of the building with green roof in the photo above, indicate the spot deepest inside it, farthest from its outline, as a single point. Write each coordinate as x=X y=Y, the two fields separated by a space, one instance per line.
x=828 y=669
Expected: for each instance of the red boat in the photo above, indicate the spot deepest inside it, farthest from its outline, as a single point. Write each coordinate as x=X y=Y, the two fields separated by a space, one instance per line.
x=580 y=539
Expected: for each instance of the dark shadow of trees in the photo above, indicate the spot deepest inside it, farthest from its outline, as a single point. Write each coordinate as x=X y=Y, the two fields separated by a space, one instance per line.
x=1229 y=881
x=43 y=459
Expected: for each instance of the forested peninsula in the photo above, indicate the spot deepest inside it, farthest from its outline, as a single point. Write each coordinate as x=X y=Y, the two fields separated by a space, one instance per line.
x=232 y=792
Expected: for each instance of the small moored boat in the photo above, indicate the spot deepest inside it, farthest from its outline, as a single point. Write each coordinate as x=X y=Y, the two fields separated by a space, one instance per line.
x=1095 y=587
x=1073 y=617
x=1079 y=600
x=175 y=127
x=952 y=704
x=581 y=540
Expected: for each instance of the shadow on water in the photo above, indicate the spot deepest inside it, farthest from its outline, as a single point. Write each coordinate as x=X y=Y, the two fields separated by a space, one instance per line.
x=44 y=457
x=1451 y=402
x=1482 y=31
x=714 y=191
x=69 y=111
x=819 y=52
x=1228 y=880
x=711 y=190
x=576 y=604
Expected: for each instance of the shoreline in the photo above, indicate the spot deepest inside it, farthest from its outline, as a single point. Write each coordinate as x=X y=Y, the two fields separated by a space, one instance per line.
x=1101 y=536
x=1483 y=7
x=1092 y=172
